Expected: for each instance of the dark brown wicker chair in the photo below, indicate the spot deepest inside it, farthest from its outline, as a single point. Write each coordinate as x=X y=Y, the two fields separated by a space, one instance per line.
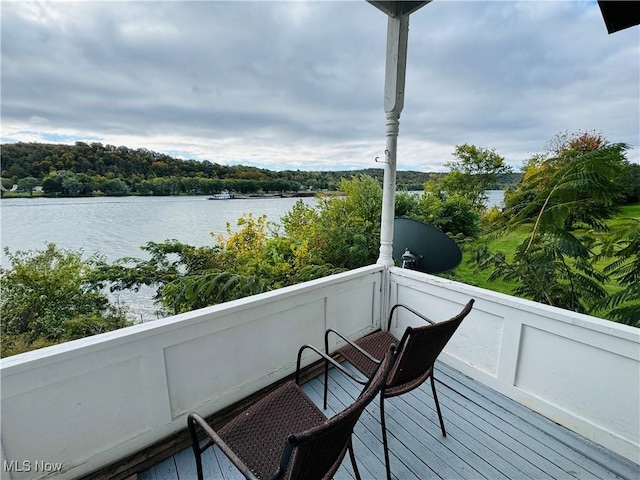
x=284 y=435
x=414 y=361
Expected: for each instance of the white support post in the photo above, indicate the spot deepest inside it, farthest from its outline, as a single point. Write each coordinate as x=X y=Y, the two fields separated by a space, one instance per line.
x=397 y=35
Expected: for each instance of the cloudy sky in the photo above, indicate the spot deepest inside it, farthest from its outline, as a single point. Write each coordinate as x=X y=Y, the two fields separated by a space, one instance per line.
x=288 y=85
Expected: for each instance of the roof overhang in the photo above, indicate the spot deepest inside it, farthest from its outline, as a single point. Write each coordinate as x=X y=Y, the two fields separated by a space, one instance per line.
x=395 y=8
x=619 y=15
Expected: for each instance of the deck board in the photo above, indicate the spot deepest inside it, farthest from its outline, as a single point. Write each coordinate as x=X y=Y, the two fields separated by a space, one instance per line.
x=593 y=457
x=502 y=430
x=569 y=451
x=488 y=437
x=185 y=465
x=496 y=455
x=165 y=470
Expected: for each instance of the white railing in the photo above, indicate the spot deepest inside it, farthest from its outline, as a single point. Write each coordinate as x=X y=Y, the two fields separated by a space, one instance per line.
x=83 y=405
x=580 y=371
x=77 y=407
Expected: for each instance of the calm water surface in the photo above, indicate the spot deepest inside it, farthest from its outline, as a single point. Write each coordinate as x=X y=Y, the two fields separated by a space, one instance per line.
x=118 y=227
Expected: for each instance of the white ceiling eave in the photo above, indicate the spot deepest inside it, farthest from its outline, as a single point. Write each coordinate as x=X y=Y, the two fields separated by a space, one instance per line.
x=397 y=7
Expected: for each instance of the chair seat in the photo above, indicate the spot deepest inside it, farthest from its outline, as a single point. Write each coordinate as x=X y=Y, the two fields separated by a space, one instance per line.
x=376 y=344
x=258 y=435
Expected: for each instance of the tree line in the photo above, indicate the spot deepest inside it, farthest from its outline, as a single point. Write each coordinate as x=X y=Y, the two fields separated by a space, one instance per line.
x=86 y=169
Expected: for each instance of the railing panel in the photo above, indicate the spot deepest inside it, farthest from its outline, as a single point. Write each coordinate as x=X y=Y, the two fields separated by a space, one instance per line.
x=221 y=357
x=570 y=372
x=580 y=371
x=88 y=403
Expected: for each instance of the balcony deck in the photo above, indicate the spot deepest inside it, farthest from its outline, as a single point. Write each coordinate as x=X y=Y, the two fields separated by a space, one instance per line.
x=104 y=406
x=488 y=436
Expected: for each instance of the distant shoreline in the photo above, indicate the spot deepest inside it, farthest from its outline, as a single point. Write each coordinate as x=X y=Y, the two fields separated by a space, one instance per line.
x=237 y=196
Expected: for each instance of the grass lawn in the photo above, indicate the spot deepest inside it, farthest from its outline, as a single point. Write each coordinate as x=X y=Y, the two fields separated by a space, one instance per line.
x=467 y=273
x=627 y=213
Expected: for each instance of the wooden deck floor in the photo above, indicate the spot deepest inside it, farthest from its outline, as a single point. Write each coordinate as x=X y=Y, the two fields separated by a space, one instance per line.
x=488 y=437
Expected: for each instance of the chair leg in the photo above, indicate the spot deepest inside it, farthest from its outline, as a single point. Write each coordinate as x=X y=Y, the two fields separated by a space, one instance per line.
x=385 y=443
x=326 y=382
x=195 y=444
x=352 y=456
x=326 y=369
x=435 y=398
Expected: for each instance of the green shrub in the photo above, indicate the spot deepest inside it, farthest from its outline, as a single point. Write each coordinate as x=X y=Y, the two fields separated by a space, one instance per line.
x=49 y=297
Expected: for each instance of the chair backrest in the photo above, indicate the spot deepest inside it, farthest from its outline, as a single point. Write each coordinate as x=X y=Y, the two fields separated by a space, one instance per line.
x=418 y=350
x=318 y=452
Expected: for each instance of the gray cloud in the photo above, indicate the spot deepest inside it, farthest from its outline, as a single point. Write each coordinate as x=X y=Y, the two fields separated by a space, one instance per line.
x=300 y=84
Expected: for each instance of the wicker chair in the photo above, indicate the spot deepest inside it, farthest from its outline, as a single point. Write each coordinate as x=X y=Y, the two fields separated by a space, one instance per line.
x=284 y=435
x=414 y=360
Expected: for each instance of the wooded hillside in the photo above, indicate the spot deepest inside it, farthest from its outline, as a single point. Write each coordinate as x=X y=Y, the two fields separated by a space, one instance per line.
x=37 y=160
x=133 y=166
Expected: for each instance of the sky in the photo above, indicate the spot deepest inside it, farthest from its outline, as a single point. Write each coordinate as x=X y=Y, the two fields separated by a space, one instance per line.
x=300 y=85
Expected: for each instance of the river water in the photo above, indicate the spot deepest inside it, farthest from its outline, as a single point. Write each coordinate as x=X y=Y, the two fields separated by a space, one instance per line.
x=116 y=227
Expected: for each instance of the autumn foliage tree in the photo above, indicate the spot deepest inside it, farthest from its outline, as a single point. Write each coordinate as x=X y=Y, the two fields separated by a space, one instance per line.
x=577 y=178
x=573 y=183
